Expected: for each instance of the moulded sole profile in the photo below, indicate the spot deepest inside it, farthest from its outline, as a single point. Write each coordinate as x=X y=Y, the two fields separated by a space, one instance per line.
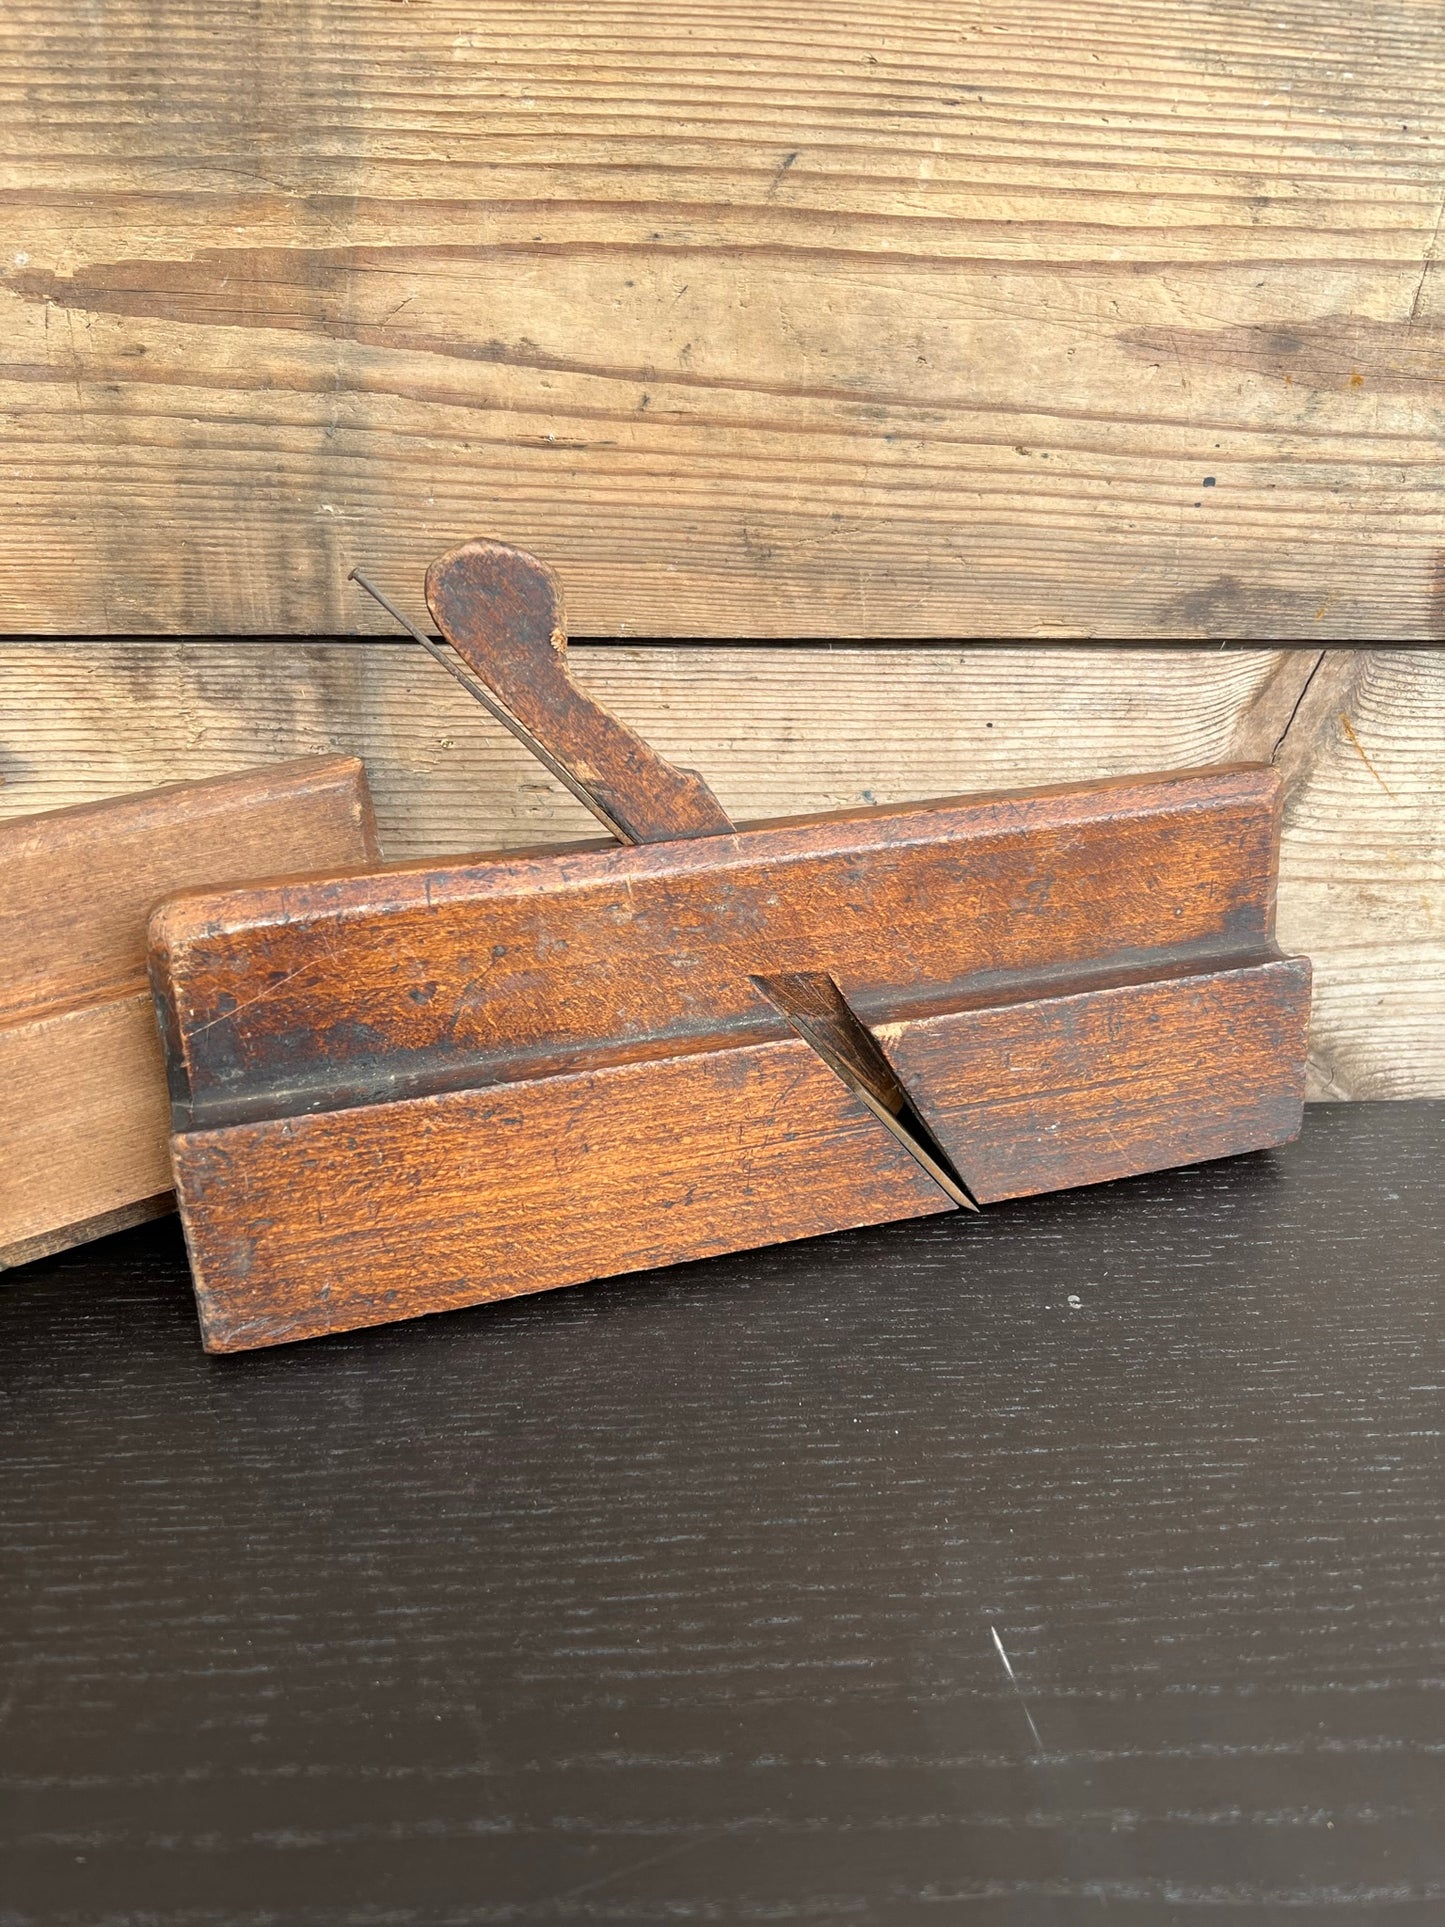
x=309 y=1224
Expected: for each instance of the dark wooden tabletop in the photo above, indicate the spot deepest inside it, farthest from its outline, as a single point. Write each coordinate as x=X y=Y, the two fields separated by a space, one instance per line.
x=1081 y=1561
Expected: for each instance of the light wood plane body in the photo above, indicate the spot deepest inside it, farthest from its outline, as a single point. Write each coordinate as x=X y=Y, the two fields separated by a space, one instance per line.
x=83 y=1112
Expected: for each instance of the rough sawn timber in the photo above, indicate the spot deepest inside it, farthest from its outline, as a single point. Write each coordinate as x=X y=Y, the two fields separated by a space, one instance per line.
x=1359 y=737
x=958 y=319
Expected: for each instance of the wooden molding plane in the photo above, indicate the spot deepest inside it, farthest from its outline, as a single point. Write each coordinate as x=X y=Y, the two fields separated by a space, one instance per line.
x=84 y=1125
x=453 y=1081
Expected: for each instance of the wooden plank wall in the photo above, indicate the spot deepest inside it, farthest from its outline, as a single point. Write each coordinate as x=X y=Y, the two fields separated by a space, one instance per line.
x=962 y=320
x=1082 y=318
x=1360 y=736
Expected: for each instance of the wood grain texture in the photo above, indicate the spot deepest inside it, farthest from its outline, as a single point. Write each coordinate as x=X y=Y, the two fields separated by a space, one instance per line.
x=780 y=731
x=329 y=990
x=318 y=1224
x=404 y=1091
x=1362 y=869
x=27 y=1251
x=501 y=612
x=1038 y=1093
x=83 y=1108
x=1119 y=319
x=79 y=883
x=776 y=731
x=677 y=1599
x=84 y=1121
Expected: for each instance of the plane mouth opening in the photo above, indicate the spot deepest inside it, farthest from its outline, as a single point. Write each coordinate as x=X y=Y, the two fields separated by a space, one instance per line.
x=821 y=1015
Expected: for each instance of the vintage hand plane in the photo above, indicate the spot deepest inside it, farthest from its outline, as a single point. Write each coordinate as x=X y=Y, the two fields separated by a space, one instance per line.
x=404 y=1090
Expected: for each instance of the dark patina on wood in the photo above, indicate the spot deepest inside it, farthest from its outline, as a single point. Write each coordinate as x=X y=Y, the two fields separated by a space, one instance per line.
x=501 y=610
x=454 y=1081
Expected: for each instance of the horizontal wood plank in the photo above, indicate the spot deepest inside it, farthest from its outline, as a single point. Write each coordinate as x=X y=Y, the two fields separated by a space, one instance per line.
x=1109 y=320
x=1362 y=870
x=775 y=731
x=1360 y=737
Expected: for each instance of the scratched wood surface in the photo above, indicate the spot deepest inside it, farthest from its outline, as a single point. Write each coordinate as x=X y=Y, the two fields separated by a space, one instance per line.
x=957 y=319
x=396 y=1050
x=1360 y=736
x=608 y=1167
x=1076 y=1562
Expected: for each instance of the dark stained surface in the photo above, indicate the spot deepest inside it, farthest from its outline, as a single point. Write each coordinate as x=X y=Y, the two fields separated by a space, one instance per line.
x=687 y=1597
